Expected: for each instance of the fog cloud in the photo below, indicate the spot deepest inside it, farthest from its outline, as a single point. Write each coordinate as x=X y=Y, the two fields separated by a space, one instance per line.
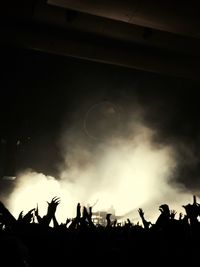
x=111 y=159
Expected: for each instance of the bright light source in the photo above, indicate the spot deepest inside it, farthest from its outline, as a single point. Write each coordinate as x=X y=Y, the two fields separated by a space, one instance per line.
x=127 y=172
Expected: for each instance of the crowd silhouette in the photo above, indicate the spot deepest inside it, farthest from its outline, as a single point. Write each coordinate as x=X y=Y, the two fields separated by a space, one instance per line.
x=30 y=241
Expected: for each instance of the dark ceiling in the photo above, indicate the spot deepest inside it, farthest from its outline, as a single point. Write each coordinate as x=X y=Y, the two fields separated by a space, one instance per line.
x=156 y=36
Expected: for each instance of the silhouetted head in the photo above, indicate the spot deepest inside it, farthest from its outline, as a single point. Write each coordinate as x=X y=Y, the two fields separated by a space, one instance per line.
x=164 y=208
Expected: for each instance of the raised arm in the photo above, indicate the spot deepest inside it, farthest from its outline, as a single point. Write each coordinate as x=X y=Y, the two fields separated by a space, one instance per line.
x=146 y=224
x=51 y=210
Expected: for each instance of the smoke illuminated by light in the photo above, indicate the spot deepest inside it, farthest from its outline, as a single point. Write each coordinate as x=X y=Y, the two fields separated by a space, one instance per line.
x=126 y=171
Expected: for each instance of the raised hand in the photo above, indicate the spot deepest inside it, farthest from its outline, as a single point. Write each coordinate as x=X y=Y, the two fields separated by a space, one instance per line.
x=85 y=213
x=51 y=210
x=39 y=219
x=20 y=217
x=90 y=212
x=108 y=215
x=28 y=217
x=52 y=206
x=129 y=224
x=87 y=217
x=78 y=211
x=141 y=212
x=172 y=214
x=36 y=211
x=146 y=224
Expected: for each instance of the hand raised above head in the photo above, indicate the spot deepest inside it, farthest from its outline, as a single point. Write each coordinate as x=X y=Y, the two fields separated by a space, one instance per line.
x=36 y=211
x=78 y=210
x=28 y=217
x=172 y=214
x=52 y=206
x=20 y=217
x=141 y=212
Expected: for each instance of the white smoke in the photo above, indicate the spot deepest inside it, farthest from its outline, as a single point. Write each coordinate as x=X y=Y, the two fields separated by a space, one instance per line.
x=125 y=170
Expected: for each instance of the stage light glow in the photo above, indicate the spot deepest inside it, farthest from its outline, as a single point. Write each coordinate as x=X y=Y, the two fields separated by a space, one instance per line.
x=126 y=172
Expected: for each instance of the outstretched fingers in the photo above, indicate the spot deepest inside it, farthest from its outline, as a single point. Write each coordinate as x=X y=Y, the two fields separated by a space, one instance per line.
x=55 y=200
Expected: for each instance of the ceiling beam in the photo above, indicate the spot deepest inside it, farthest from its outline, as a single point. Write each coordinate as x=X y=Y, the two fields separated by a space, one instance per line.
x=180 y=17
x=105 y=50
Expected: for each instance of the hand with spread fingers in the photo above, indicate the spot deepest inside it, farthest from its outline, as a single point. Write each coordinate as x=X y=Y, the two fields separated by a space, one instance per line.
x=52 y=206
x=172 y=214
